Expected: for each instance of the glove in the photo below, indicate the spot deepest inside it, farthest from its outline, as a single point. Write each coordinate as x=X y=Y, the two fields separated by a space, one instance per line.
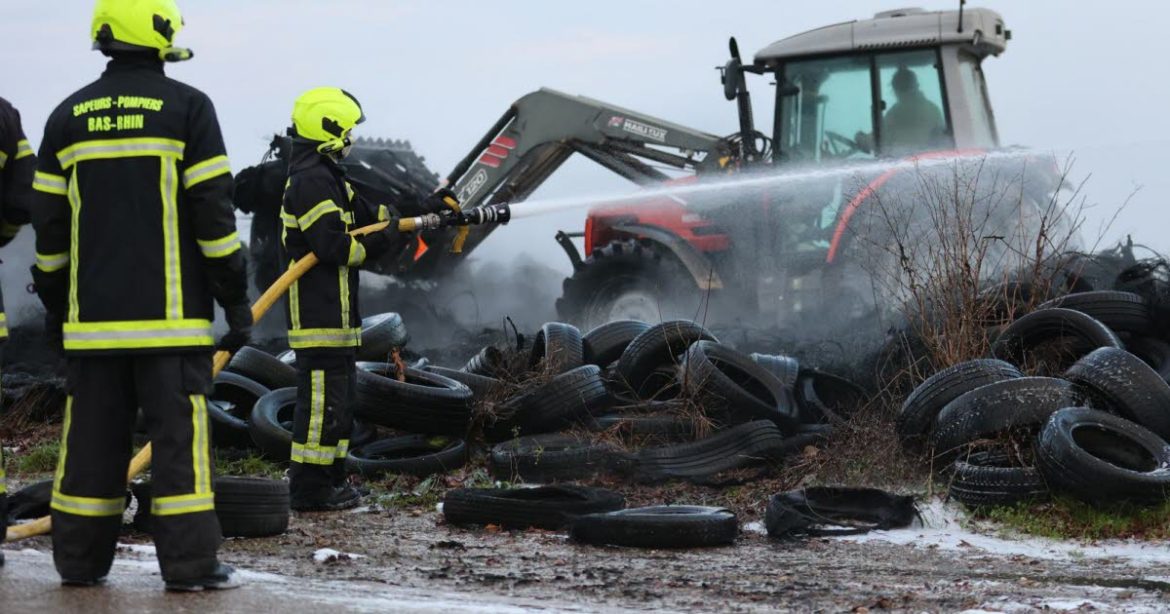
x=379 y=243
x=54 y=334
x=438 y=201
x=239 y=319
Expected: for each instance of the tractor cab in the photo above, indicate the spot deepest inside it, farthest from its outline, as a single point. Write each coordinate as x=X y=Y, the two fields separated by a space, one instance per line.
x=904 y=82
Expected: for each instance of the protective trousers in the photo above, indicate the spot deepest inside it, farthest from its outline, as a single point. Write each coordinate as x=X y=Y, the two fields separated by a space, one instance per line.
x=89 y=490
x=3 y=480
x=322 y=424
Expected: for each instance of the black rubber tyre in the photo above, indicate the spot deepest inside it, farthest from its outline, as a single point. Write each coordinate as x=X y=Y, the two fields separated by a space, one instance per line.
x=659 y=526
x=1117 y=381
x=745 y=445
x=987 y=411
x=246 y=507
x=658 y=346
x=417 y=455
x=251 y=507
x=263 y=368
x=916 y=419
x=785 y=368
x=849 y=510
x=732 y=388
x=1122 y=312
x=481 y=386
x=557 y=348
x=425 y=403
x=230 y=407
x=990 y=478
x=29 y=502
x=489 y=362
x=1021 y=336
x=271 y=423
x=605 y=344
x=551 y=458
x=545 y=507
x=598 y=289
x=382 y=333
x=1102 y=458
x=827 y=398
x=1154 y=352
x=288 y=357
x=566 y=400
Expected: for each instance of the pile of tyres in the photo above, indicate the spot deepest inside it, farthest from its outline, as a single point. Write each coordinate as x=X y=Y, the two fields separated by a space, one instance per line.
x=650 y=402
x=1091 y=422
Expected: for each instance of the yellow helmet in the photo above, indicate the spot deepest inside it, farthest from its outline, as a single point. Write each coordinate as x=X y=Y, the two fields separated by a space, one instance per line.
x=327 y=115
x=129 y=25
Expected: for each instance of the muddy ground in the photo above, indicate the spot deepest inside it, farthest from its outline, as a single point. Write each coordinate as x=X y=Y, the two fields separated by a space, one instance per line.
x=412 y=552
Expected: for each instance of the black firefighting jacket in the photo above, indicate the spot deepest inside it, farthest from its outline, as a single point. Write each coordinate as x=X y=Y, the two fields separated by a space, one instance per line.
x=320 y=207
x=134 y=223
x=17 y=164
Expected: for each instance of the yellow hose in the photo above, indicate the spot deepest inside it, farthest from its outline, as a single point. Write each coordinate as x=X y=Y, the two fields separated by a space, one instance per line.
x=141 y=461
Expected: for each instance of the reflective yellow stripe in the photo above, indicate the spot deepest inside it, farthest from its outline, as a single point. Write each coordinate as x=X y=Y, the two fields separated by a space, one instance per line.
x=3 y=160
x=324 y=337
x=23 y=149
x=120 y=148
x=347 y=217
x=142 y=334
x=182 y=504
x=342 y=448
x=64 y=452
x=207 y=169
x=88 y=506
x=74 y=231
x=313 y=455
x=200 y=446
x=316 y=407
x=294 y=301
x=320 y=209
x=49 y=183
x=289 y=220
x=343 y=293
x=50 y=263
x=357 y=253
x=222 y=247
x=172 y=270
x=3 y=335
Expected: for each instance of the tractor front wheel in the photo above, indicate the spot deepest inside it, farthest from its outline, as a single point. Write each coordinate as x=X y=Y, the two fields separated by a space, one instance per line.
x=628 y=280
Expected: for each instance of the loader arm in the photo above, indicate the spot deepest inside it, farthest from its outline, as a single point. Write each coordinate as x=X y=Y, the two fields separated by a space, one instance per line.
x=541 y=130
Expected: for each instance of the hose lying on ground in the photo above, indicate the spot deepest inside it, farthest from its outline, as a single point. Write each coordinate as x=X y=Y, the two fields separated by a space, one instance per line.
x=141 y=461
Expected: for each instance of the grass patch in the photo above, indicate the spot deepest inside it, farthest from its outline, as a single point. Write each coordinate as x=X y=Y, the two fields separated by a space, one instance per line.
x=39 y=458
x=1065 y=518
x=248 y=466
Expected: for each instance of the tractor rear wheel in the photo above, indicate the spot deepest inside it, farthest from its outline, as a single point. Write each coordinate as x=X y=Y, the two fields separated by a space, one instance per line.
x=627 y=280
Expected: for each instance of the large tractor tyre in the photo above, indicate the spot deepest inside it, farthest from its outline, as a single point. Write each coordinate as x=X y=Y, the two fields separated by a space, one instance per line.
x=625 y=280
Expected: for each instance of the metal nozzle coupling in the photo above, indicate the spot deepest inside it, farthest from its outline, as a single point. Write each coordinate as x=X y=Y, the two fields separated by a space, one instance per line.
x=491 y=214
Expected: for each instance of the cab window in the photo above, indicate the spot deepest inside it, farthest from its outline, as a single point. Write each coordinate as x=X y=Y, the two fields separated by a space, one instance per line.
x=824 y=104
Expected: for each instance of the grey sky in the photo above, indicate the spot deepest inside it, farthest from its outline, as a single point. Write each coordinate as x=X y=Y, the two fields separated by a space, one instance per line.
x=440 y=72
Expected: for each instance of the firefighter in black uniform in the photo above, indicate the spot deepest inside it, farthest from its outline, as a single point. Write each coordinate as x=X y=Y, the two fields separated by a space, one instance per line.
x=135 y=237
x=17 y=164
x=320 y=208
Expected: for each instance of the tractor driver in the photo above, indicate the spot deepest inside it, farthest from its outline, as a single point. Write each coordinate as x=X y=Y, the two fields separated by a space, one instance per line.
x=913 y=124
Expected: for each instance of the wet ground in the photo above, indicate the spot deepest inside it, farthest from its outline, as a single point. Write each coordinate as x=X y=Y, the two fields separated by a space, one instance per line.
x=409 y=560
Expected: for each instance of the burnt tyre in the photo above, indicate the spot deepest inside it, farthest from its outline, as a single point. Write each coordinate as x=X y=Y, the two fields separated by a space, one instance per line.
x=918 y=414
x=658 y=347
x=995 y=409
x=417 y=455
x=551 y=458
x=271 y=425
x=544 y=507
x=732 y=388
x=557 y=348
x=425 y=403
x=1120 y=382
x=230 y=407
x=994 y=478
x=264 y=368
x=605 y=344
x=837 y=511
x=382 y=334
x=1053 y=338
x=659 y=526
x=624 y=280
x=1122 y=312
x=1102 y=458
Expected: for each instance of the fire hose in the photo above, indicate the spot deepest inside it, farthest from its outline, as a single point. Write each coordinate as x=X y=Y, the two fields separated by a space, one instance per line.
x=461 y=220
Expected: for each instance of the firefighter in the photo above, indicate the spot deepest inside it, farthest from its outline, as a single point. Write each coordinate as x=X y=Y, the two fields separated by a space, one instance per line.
x=320 y=207
x=17 y=164
x=135 y=236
